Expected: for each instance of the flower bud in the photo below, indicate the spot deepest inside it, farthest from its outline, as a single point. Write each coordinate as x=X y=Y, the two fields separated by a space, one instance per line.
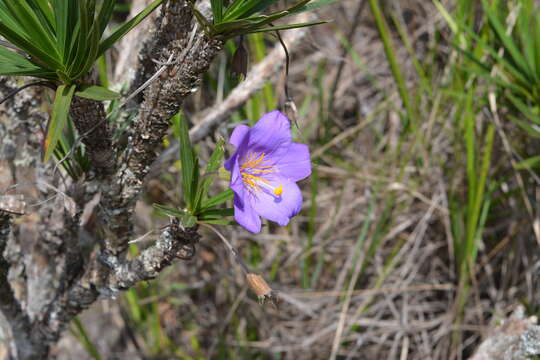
x=261 y=288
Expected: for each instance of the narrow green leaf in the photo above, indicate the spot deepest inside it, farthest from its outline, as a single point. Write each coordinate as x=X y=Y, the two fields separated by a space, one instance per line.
x=8 y=20
x=44 y=13
x=91 y=11
x=91 y=56
x=127 y=26
x=241 y=25
x=470 y=144
x=194 y=184
x=213 y=166
x=62 y=102
x=261 y=6
x=241 y=11
x=298 y=6
x=217 y=200
x=95 y=92
x=534 y=38
x=233 y=25
x=11 y=60
x=217 y=10
x=72 y=46
x=233 y=7
x=531 y=129
x=61 y=11
x=89 y=37
x=74 y=165
x=395 y=65
x=508 y=66
x=529 y=163
x=507 y=41
x=186 y=219
x=29 y=47
x=479 y=198
x=40 y=36
x=312 y=6
x=85 y=339
x=511 y=85
x=102 y=71
x=525 y=109
x=207 y=26
x=190 y=170
x=215 y=213
x=218 y=222
x=286 y=27
x=164 y=210
x=523 y=29
x=105 y=14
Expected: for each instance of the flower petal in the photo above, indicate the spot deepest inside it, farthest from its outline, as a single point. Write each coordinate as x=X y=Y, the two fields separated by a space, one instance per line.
x=278 y=209
x=236 y=184
x=271 y=135
x=296 y=164
x=229 y=163
x=238 y=134
x=245 y=215
x=240 y=139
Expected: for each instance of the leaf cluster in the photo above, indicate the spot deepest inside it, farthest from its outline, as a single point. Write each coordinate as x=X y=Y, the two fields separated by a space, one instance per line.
x=198 y=206
x=241 y=17
x=58 y=39
x=513 y=50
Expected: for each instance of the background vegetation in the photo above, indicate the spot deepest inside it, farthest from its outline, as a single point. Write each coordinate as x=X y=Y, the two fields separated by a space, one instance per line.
x=419 y=230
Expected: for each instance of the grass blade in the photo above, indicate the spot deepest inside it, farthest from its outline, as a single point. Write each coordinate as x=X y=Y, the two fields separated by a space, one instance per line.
x=384 y=32
x=506 y=40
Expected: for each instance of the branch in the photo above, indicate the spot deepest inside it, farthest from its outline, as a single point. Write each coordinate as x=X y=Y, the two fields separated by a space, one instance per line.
x=16 y=323
x=184 y=58
x=174 y=242
x=165 y=97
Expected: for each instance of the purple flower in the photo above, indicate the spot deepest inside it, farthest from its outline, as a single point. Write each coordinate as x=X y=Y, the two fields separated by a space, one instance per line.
x=264 y=170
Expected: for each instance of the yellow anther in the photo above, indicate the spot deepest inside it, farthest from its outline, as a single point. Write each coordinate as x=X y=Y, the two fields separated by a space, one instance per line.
x=253 y=170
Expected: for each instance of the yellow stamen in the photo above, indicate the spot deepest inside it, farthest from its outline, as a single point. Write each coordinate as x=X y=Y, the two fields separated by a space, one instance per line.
x=253 y=169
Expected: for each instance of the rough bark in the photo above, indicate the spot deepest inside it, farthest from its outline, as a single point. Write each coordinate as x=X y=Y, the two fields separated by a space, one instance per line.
x=58 y=260
x=91 y=122
x=185 y=61
x=517 y=338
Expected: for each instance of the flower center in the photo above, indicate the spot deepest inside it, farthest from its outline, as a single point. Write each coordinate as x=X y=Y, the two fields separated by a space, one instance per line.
x=254 y=169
